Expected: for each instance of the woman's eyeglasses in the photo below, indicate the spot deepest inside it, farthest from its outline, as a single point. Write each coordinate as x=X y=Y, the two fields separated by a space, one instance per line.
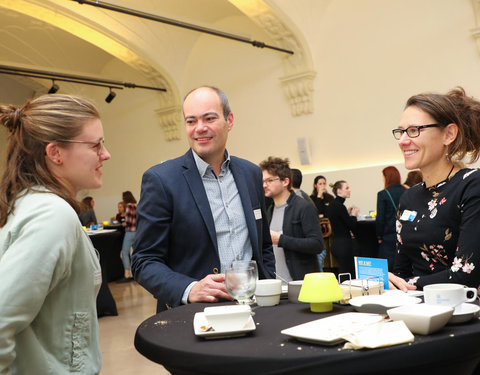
x=412 y=131
x=97 y=146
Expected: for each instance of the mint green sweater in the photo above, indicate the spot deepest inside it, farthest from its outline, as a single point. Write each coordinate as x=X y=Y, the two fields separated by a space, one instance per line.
x=49 y=279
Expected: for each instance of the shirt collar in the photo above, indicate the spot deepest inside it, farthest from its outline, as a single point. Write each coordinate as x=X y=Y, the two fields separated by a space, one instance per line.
x=204 y=167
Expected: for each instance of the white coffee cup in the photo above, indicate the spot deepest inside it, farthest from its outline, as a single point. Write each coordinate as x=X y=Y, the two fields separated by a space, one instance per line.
x=294 y=290
x=447 y=294
x=268 y=291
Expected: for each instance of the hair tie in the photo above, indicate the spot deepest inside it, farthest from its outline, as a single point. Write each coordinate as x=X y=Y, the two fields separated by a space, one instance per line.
x=15 y=122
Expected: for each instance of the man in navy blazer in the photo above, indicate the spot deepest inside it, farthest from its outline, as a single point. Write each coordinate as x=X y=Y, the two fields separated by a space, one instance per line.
x=199 y=212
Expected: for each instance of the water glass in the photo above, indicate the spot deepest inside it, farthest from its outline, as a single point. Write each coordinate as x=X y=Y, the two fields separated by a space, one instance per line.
x=242 y=264
x=240 y=283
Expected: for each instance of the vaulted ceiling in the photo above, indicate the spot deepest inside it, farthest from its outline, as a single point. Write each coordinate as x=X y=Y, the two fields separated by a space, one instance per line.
x=63 y=35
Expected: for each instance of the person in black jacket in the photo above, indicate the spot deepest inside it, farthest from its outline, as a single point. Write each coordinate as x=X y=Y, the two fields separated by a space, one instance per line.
x=343 y=222
x=320 y=196
x=294 y=223
x=387 y=205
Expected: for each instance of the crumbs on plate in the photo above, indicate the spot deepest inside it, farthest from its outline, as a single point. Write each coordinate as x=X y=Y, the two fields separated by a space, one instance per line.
x=205 y=328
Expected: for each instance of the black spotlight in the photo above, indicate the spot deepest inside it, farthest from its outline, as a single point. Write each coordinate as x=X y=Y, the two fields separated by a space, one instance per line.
x=110 y=96
x=54 y=88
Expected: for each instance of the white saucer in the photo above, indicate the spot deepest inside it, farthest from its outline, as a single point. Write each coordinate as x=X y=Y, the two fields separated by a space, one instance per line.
x=464 y=313
x=379 y=304
x=203 y=329
x=415 y=293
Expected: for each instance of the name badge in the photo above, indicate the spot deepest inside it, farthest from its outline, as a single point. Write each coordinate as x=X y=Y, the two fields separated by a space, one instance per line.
x=408 y=215
x=257 y=213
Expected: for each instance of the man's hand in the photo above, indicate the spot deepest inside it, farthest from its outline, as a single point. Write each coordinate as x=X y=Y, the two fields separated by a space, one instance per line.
x=275 y=237
x=210 y=289
x=396 y=282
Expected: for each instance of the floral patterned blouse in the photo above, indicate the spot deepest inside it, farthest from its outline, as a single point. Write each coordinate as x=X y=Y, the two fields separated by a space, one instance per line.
x=438 y=232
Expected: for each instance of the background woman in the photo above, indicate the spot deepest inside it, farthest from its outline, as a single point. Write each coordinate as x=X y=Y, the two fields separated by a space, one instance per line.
x=130 y=225
x=387 y=205
x=120 y=217
x=413 y=178
x=87 y=214
x=439 y=219
x=320 y=196
x=322 y=200
x=50 y=273
x=343 y=223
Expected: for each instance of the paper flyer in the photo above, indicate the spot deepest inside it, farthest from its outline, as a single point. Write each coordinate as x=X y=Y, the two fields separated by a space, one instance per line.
x=372 y=267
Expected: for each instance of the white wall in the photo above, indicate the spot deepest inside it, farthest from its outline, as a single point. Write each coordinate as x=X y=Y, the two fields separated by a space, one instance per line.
x=369 y=55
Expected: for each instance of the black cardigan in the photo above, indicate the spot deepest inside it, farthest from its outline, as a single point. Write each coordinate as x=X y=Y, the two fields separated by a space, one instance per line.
x=302 y=237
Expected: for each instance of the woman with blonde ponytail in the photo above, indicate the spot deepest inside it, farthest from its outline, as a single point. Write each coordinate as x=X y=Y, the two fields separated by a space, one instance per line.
x=49 y=271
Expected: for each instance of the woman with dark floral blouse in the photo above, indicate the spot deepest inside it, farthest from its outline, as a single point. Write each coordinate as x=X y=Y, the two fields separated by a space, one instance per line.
x=438 y=221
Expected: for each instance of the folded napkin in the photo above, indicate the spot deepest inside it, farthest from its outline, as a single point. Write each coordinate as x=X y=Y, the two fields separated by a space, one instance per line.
x=378 y=335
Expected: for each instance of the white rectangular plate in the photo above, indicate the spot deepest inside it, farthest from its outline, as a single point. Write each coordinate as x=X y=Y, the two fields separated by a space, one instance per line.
x=329 y=331
x=203 y=329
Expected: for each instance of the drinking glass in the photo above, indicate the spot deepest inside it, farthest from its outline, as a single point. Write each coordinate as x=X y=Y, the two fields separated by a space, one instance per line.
x=242 y=264
x=240 y=283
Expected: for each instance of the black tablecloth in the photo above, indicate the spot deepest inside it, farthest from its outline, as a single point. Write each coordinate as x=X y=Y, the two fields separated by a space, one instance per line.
x=366 y=239
x=168 y=338
x=108 y=246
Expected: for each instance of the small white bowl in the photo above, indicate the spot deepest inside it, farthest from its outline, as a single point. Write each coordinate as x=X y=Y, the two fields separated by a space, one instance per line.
x=268 y=300
x=228 y=318
x=268 y=292
x=422 y=318
x=268 y=287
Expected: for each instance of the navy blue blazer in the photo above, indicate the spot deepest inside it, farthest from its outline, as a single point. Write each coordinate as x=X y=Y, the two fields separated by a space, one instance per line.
x=176 y=242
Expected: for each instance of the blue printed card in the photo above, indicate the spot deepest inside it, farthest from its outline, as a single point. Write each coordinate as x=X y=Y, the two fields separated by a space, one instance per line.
x=372 y=267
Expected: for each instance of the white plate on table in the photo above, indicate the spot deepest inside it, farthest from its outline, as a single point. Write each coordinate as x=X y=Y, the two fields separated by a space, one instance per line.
x=379 y=304
x=330 y=330
x=463 y=313
x=203 y=329
x=99 y=231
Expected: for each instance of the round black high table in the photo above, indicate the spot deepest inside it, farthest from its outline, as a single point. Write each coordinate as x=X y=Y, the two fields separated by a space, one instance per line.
x=168 y=338
x=108 y=244
x=366 y=237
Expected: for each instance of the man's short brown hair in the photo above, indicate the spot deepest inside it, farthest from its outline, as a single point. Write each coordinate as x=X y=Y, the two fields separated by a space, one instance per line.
x=278 y=167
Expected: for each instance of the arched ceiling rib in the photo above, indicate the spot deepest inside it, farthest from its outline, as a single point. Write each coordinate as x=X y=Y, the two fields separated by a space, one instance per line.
x=156 y=50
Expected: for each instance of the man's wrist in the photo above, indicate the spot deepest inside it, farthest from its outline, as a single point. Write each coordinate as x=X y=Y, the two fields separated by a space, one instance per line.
x=186 y=293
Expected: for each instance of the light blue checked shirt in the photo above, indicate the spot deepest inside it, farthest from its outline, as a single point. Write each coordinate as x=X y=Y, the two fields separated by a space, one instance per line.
x=230 y=225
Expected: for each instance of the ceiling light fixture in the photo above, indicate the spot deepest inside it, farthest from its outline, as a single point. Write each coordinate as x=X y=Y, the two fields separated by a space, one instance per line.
x=54 y=88
x=110 y=96
x=73 y=78
x=185 y=25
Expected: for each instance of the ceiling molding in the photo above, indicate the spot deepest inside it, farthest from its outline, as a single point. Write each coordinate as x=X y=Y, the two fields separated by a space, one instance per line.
x=297 y=83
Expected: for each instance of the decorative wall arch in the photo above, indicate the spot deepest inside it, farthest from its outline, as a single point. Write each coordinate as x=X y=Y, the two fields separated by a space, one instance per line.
x=299 y=70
